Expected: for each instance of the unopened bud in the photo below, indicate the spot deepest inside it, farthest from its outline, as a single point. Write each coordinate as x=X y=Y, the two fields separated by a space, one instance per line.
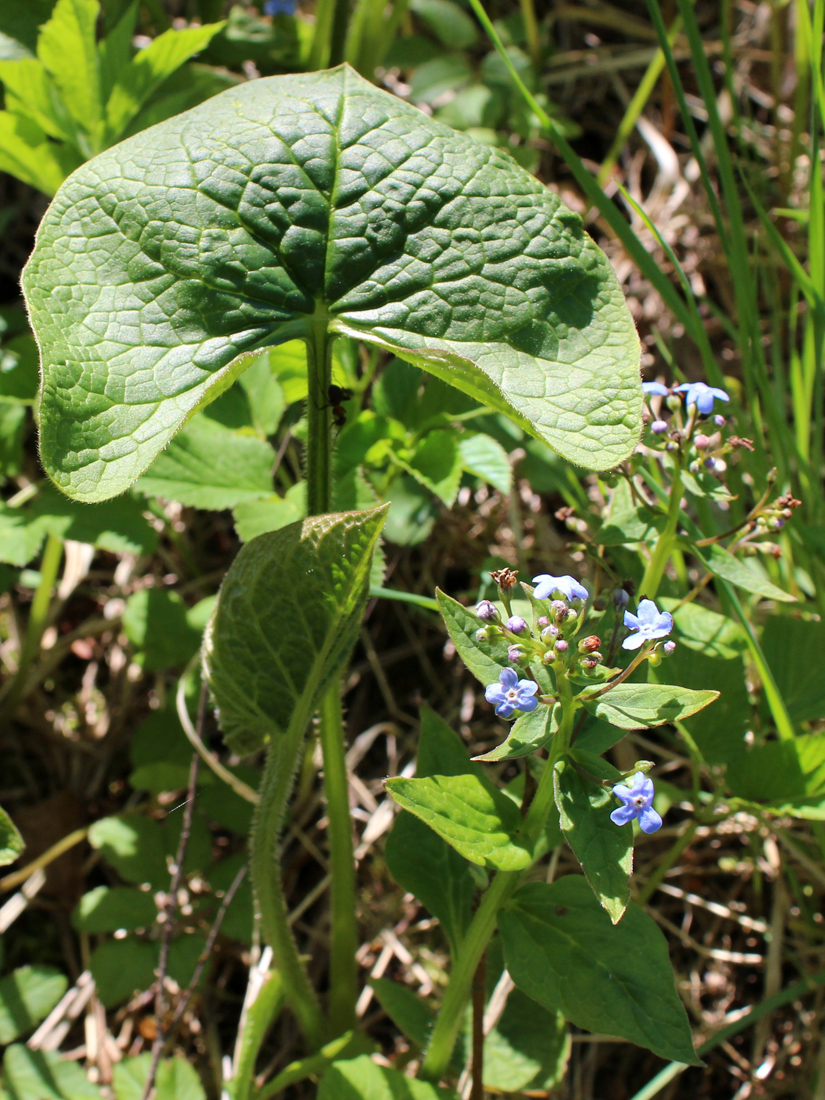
x=559 y=610
x=515 y=654
x=486 y=611
x=549 y=634
x=674 y=402
x=719 y=421
x=571 y=616
x=659 y=427
x=621 y=598
x=591 y=662
x=590 y=644
x=561 y=646
x=516 y=625
x=669 y=648
x=655 y=658
x=542 y=621
x=777 y=523
x=482 y=635
x=701 y=442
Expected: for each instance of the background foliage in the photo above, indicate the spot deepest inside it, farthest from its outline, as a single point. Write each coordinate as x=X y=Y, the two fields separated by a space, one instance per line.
x=697 y=167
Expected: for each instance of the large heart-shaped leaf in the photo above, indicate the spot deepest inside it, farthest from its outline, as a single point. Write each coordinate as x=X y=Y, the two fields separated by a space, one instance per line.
x=300 y=202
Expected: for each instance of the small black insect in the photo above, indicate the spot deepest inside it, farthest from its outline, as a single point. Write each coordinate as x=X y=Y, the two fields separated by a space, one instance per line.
x=337 y=396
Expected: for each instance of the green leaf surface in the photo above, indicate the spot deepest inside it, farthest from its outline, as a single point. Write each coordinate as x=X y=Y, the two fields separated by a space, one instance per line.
x=67 y=50
x=723 y=564
x=720 y=730
x=149 y=68
x=270 y=513
x=408 y=1010
x=28 y=91
x=486 y=458
x=110 y=908
x=361 y=1079
x=11 y=842
x=485 y=658
x=122 y=968
x=207 y=466
x=604 y=850
x=562 y=950
x=27 y=153
x=263 y=676
x=705 y=630
x=637 y=706
x=788 y=645
x=177 y=1079
x=787 y=774
x=155 y=622
x=134 y=846
x=436 y=463
x=528 y=733
x=471 y=814
x=27 y=996
x=44 y=1075
x=527 y=1049
x=420 y=860
x=448 y=22
x=118 y=526
x=315 y=195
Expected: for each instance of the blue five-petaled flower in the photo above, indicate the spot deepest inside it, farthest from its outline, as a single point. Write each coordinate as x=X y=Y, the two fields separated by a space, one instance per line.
x=657 y=388
x=649 y=624
x=569 y=587
x=637 y=801
x=511 y=694
x=701 y=395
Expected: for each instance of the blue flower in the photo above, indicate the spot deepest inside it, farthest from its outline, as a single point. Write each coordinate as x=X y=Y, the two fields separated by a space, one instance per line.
x=650 y=623
x=280 y=7
x=511 y=694
x=701 y=395
x=568 y=586
x=637 y=801
x=649 y=388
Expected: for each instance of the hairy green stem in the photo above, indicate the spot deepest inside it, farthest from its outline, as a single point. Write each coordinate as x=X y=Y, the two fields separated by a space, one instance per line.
x=319 y=418
x=343 y=967
x=344 y=927
x=666 y=541
x=281 y=759
x=500 y=890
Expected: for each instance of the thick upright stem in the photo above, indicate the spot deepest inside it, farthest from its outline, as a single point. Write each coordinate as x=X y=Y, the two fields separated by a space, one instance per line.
x=276 y=784
x=344 y=928
x=319 y=418
x=343 y=968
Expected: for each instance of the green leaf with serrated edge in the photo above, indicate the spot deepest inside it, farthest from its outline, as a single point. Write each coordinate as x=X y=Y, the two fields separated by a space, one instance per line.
x=176 y=1079
x=133 y=845
x=471 y=814
x=637 y=706
x=724 y=565
x=11 y=842
x=485 y=658
x=604 y=850
x=439 y=249
x=148 y=69
x=486 y=458
x=67 y=50
x=528 y=733
x=561 y=950
x=27 y=996
x=109 y=908
x=265 y=678
x=44 y=1075
x=360 y=1078
x=419 y=859
x=208 y=466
